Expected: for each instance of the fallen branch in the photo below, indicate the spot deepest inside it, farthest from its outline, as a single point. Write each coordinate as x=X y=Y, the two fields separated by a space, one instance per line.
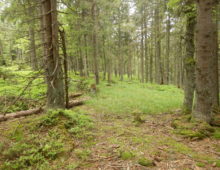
x=76 y=103
x=20 y=114
x=8 y=116
x=75 y=95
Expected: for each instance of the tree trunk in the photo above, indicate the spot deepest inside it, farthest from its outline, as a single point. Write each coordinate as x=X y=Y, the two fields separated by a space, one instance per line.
x=168 y=27
x=65 y=66
x=214 y=68
x=55 y=89
x=205 y=44
x=189 y=64
x=158 y=65
x=33 y=54
x=94 y=40
x=142 y=47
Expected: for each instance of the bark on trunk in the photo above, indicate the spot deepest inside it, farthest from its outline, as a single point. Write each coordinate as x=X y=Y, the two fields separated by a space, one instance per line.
x=65 y=66
x=205 y=44
x=94 y=39
x=214 y=68
x=33 y=54
x=158 y=63
x=189 y=64
x=168 y=27
x=55 y=88
x=142 y=47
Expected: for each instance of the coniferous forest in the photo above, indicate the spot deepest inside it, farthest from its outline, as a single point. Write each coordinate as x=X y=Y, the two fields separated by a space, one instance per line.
x=109 y=84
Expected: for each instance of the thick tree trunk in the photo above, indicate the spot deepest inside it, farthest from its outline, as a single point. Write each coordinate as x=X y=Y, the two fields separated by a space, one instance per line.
x=189 y=64
x=205 y=44
x=214 y=68
x=55 y=88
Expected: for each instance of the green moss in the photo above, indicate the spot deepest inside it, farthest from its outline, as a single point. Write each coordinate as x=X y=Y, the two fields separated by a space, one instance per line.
x=126 y=155
x=200 y=164
x=82 y=154
x=191 y=133
x=216 y=134
x=192 y=129
x=145 y=162
x=1 y=146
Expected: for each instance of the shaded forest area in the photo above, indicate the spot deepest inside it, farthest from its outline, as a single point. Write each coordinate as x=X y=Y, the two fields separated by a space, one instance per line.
x=109 y=84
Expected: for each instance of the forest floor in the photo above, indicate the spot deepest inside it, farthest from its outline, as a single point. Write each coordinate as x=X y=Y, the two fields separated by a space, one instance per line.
x=125 y=126
x=120 y=143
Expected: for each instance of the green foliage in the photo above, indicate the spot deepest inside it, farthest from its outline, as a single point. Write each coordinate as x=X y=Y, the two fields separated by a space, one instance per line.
x=51 y=119
x=200 y=164
x=17 y=134
x=22 y=155
x=72 y=166
x=145 y=162
x=82 y=154
x=78 y=124
x=218 y=163
x=173 y=3
x=12 y=86
x=126 y=155
x=124 y=98
x=216 y=134
x=1 y=146
x=82 y=85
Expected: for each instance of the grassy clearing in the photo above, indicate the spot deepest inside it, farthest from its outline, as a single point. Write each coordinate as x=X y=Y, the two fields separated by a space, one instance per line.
x=122 y=98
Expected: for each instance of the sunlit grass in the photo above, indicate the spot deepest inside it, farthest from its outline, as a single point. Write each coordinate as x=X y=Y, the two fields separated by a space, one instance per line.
x=125 y=98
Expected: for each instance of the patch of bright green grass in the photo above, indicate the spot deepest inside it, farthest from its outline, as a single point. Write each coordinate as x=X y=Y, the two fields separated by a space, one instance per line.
x=124 y=97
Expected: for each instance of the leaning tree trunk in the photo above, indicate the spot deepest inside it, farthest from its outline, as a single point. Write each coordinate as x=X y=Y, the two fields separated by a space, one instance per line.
x=54 y=75
x=189 y=64
x=205 y=44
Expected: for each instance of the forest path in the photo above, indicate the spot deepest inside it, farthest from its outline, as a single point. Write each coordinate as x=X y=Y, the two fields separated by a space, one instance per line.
x=154 y=140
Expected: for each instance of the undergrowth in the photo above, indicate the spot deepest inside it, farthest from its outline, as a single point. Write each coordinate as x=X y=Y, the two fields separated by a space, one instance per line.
x=37 y=145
